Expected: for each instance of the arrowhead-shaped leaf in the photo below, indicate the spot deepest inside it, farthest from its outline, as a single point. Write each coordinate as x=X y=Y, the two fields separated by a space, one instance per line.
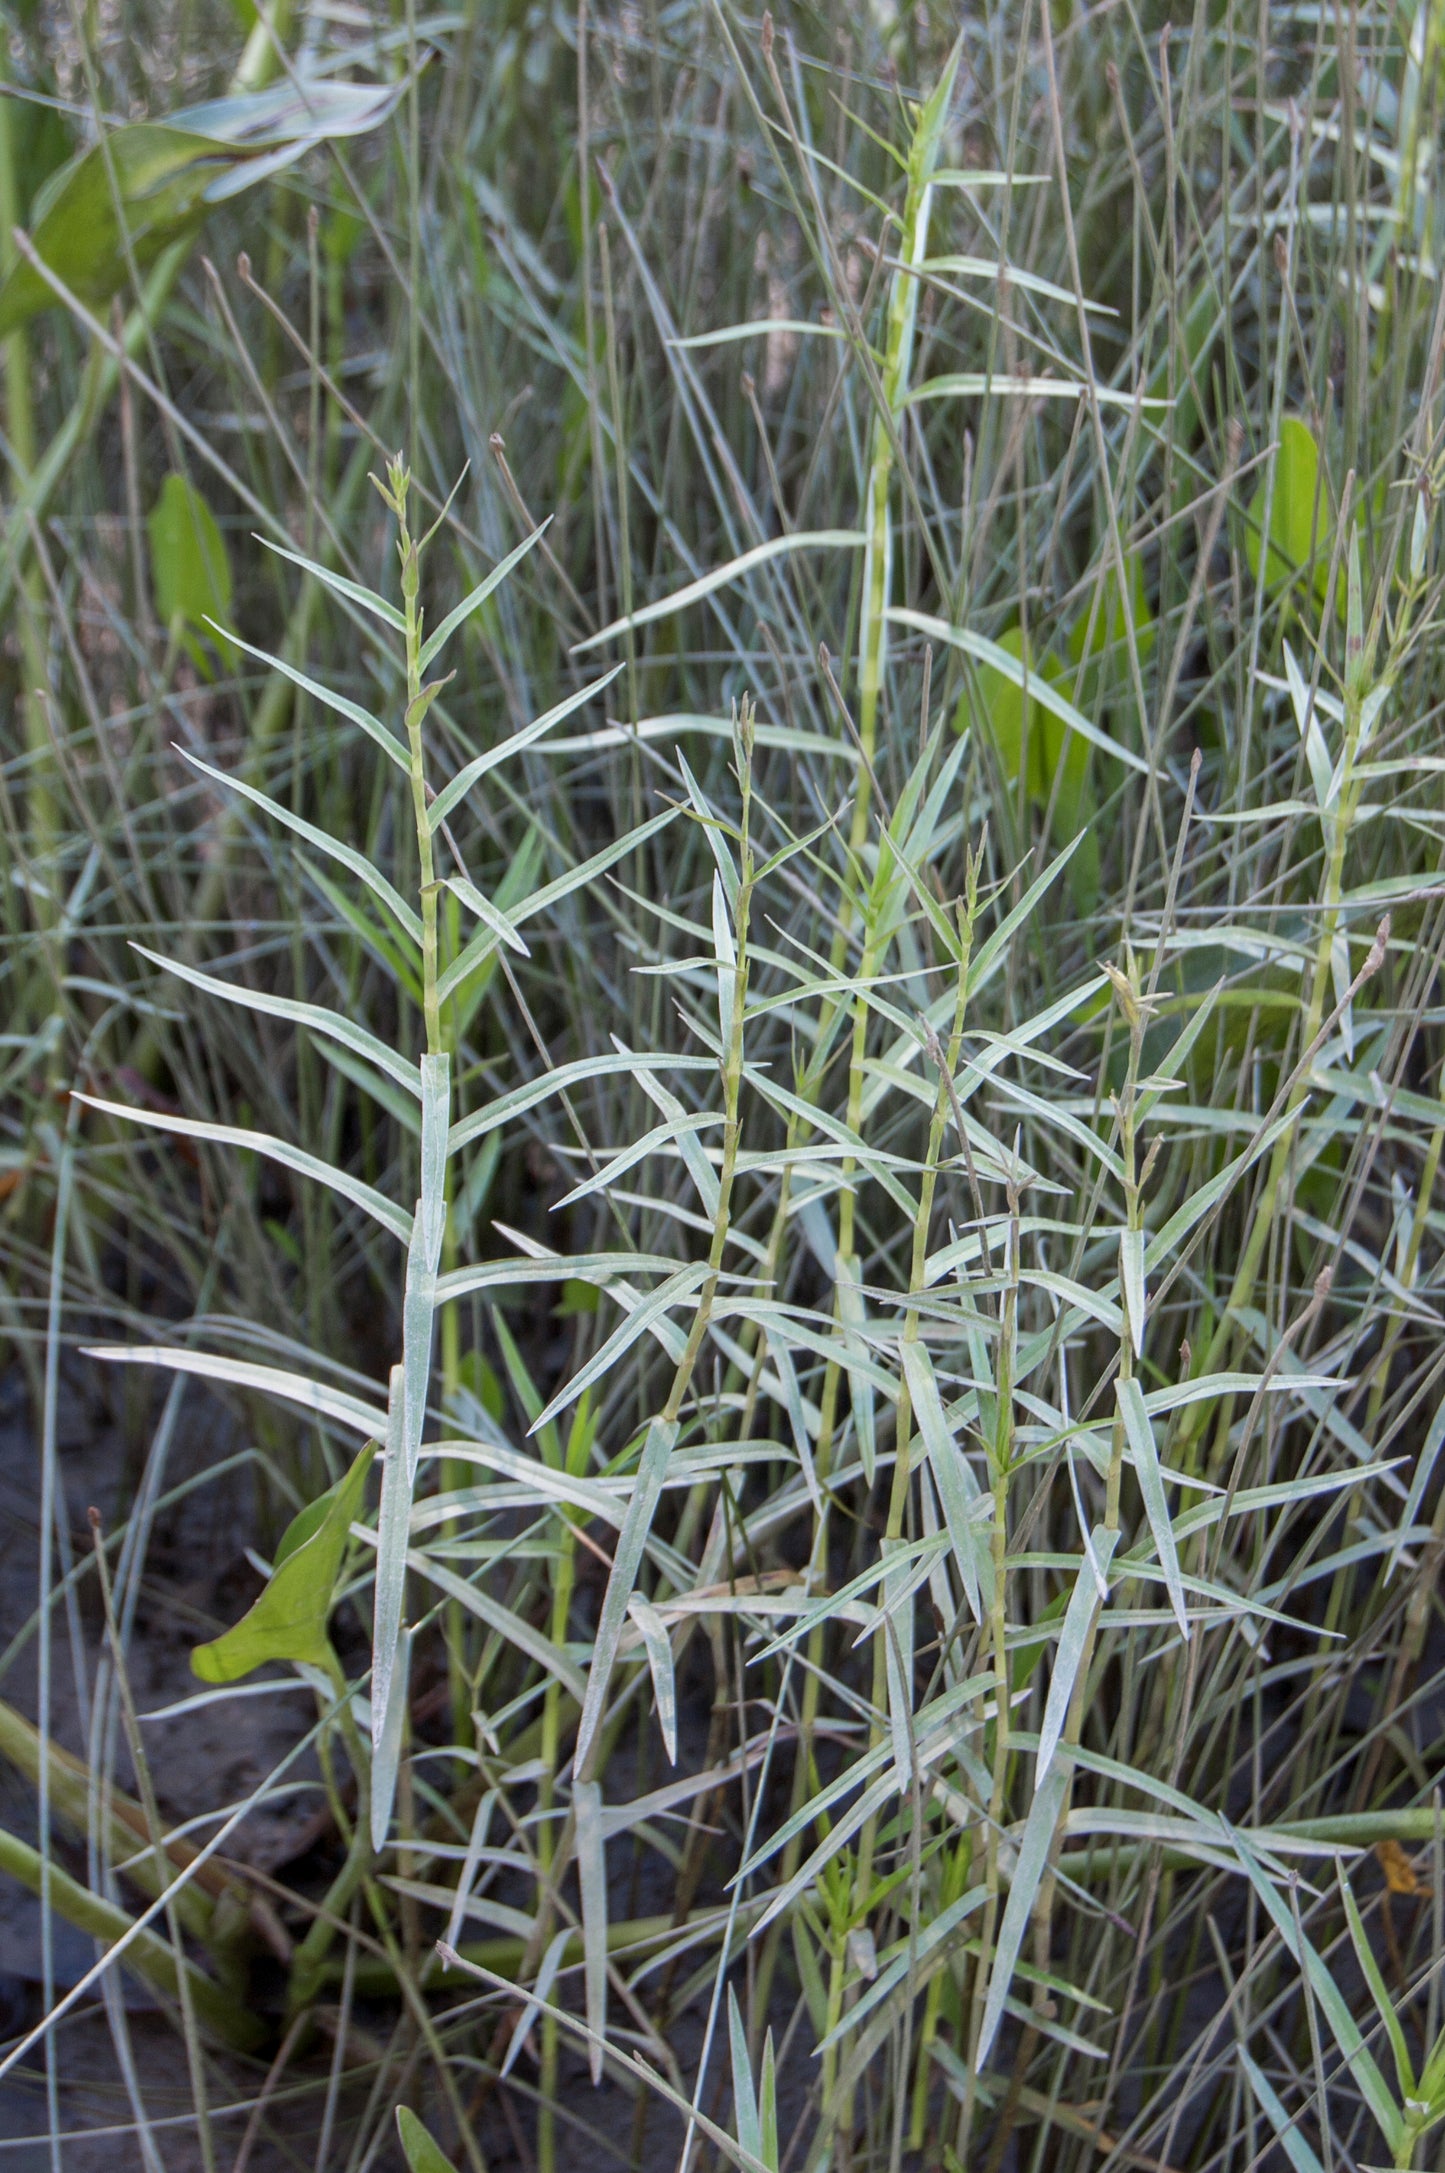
x=288 y=1621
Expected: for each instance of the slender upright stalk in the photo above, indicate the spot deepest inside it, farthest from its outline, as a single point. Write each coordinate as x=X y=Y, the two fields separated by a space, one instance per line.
x=42 y=808
x=1337 y=822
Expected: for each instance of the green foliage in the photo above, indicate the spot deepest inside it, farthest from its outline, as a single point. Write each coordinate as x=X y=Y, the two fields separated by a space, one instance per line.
x=897 y=1272
x=190 y=567
x=1301 y=521
x=288 y=1621
x=422 y=2154
x=1034 y=745
x=144 y=189
x=115 y=207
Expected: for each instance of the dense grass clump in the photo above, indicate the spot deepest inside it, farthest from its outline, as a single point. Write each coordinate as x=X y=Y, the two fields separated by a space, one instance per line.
x=722 y=806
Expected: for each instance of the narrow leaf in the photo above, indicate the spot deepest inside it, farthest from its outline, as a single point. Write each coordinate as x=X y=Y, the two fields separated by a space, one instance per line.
x=1033 y=683
x=435 y=643
x=361 y=1195
x=1139 y=1430
x=1132 y=1285
x=477 y=768
x=1295 y=2148
x=1028 y=1871
x=592 y=1880
x=745 y=2103
x=389 y=1594
x=386 y=1753
x=339 y=585
x=334 y=848
x=320 y=1020
x=658 y=1646
x=1080 y=1615
x=958 y=1489
x=374 y=729
x=1332 y=2004
x=651 y=1471
x=677 y=1290
x=1379 y=1991
x=822 y=539
x=317 y=1397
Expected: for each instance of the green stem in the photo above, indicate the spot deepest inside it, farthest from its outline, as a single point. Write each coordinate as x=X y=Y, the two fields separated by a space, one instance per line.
x=147 y=1955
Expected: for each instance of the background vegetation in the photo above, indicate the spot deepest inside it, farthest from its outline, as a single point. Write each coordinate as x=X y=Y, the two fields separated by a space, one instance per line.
x=868 y=1185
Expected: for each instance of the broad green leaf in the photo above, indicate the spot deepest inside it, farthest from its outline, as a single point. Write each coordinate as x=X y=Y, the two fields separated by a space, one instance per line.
x=1103 y=626
x=1015 y=720
x=40 y=142
x=422 y=2154
x=161 y=176
x=288 y=1621
x=1300 y=516
x=190 y=566
x=153 y=183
